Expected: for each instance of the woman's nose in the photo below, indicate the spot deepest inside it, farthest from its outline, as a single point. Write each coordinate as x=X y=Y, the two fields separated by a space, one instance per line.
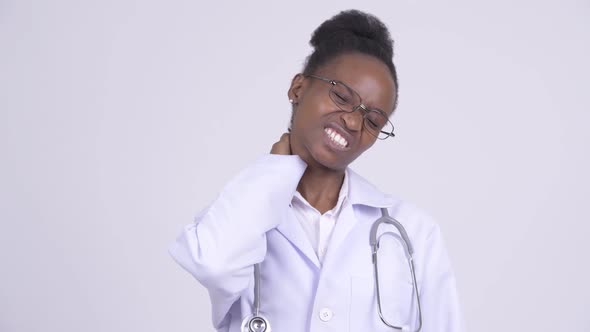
x=353 y=120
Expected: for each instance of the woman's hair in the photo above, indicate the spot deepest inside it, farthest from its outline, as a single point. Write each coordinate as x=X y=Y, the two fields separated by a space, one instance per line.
x=351 y=31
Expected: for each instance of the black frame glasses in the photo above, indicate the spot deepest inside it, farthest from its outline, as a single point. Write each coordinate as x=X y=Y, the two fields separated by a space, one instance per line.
x=349 y=101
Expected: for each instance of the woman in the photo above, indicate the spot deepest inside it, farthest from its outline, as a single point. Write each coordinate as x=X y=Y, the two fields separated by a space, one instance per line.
x=287 y=239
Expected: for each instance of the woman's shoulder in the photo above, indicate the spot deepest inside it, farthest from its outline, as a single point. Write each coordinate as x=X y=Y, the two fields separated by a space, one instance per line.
x=415 y=218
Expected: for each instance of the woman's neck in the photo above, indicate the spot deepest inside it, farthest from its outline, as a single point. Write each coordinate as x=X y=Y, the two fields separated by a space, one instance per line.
x=321 y=187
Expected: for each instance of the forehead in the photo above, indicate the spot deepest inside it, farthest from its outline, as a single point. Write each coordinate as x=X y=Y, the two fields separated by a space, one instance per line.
x=367 y=75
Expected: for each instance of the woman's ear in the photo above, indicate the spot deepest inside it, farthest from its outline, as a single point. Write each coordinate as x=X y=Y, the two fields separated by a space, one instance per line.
x=296 y=89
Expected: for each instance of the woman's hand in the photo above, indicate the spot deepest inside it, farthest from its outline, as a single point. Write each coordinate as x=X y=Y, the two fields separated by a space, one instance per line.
x=283 y=146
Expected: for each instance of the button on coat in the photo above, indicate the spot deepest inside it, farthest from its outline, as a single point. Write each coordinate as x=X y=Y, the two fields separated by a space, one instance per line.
x=251 y=222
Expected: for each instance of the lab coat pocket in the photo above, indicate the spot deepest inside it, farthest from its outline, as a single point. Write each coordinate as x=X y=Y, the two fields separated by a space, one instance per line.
x=396 y=301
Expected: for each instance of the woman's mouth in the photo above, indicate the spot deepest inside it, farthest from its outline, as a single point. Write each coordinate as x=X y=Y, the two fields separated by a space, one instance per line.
x=336 y=139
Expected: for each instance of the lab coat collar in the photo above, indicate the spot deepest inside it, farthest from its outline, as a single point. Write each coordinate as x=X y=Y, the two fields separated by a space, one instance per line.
x=363 y=192
x=292 y=231
x=360 y=191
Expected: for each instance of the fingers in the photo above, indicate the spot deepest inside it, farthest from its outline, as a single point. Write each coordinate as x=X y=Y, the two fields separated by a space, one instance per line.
x=285 y=137
x=283 y=146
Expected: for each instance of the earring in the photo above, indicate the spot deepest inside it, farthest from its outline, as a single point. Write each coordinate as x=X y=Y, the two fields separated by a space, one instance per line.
x=291 y=101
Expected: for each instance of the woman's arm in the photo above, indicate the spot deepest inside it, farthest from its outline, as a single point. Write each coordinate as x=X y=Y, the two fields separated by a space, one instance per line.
x=226 y=239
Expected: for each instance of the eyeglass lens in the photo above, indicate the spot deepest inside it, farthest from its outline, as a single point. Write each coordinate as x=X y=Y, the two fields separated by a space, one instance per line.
x=374 y=121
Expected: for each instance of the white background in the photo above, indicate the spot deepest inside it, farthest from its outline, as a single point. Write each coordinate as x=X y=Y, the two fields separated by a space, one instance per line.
x=119 y=120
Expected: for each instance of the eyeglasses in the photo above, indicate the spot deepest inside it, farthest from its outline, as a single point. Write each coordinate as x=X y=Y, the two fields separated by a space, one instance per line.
x=375 y=121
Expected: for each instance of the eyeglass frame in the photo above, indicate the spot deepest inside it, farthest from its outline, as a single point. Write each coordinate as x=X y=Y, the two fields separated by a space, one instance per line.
x=354 y=108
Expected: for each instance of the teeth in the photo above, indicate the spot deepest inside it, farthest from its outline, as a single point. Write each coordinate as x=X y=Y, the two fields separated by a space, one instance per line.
x=336 y=137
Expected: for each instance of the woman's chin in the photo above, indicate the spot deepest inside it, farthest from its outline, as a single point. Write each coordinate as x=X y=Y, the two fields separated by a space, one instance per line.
x=322 y=156
x=328 y=160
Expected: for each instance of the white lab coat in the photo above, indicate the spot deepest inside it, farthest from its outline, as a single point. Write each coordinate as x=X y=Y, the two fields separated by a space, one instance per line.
x=251 y=222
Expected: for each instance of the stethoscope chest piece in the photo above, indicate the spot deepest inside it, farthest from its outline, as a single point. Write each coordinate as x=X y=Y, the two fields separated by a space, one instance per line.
x=256 y=323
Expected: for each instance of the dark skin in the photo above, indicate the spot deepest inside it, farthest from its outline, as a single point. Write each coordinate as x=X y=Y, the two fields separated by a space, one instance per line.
x=314 y=111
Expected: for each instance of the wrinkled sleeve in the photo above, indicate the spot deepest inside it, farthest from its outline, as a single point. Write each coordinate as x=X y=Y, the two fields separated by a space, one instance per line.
x=228 y=237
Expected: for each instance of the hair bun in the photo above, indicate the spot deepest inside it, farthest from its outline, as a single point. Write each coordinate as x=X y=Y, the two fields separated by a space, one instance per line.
x=351 y=31
x=352 y=27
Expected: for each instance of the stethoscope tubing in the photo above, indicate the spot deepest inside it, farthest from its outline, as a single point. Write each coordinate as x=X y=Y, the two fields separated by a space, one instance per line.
x=259 y=323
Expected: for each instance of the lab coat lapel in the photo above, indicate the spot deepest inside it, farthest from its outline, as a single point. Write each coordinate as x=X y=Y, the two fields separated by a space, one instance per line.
x=361 y=192
x=292 y=230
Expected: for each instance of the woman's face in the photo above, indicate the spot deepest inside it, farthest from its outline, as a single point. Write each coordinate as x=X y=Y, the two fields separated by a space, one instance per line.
x=316 y=116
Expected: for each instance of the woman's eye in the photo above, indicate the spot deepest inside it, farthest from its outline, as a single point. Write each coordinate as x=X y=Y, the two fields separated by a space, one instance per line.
x=375 y=120
x=340 y=98
x=372 y=124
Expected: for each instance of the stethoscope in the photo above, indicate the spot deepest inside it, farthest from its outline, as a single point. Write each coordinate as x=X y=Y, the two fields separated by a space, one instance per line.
x=258 y=323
